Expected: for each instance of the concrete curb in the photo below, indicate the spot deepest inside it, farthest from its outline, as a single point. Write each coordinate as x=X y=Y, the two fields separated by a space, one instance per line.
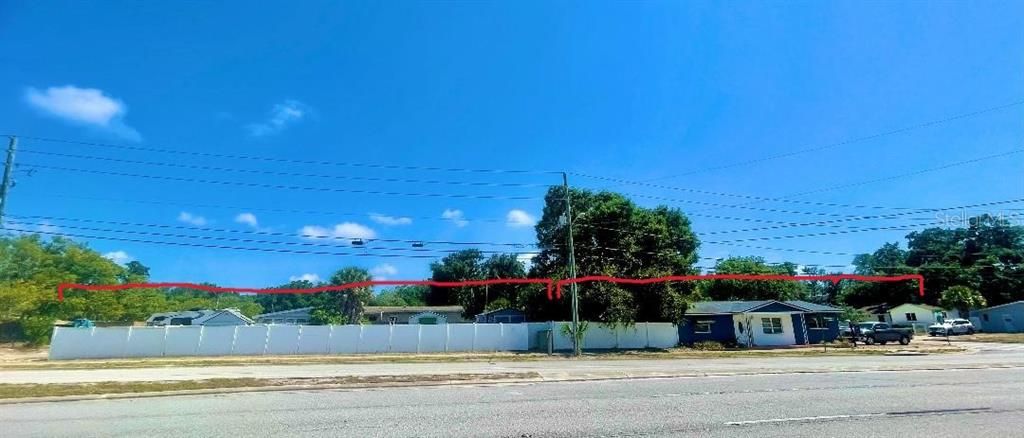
x=477 y=382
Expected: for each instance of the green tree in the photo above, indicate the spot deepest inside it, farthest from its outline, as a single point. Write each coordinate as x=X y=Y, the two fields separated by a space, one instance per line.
x=348 y=303
x=887 y=260
x=962 y=298
x=725 y=290
x=615 y=237
x=463 y=265
x=402 y=296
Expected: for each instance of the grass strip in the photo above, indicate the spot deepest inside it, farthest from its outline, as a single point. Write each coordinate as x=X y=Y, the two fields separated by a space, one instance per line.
x=16 y=391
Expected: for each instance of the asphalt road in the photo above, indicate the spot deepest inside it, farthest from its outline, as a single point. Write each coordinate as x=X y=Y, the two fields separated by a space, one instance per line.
x=962 y=403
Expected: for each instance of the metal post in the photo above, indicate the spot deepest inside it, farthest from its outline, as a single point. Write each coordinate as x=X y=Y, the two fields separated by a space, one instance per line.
x=572 y=269
x=8 y=170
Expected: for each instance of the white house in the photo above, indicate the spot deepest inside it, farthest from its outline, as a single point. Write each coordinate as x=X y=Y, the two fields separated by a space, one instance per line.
x=920 y=315
x=199 y=317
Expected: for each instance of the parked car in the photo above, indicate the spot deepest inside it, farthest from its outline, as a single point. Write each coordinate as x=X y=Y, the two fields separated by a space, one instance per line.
x=951 y=327
x=882 y=333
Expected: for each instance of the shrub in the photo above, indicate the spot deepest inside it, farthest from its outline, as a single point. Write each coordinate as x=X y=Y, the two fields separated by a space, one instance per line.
x=708 y=346
x=37 y=329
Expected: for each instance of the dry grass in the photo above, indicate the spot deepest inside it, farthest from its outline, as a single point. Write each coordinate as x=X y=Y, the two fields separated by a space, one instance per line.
x=29 y=360
x=1006 y=338
x=17 y=391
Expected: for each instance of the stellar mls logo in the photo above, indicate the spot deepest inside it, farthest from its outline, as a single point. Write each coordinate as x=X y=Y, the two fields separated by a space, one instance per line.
x=963 y=219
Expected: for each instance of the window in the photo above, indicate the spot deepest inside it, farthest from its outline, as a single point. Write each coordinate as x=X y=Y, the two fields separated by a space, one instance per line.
x=911 y=316
x=771 y=326
x=984 y=317
x=702 y=326
x=392 y=319
x=181 y=321
x=881 y=327
x=816 y=322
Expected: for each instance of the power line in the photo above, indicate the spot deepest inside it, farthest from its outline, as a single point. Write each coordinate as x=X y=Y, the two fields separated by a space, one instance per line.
x=283 y=160
x=271 y=233
x=736 y=195
x=279 y=186
x=739 y=206
x=892 y=177
x=199 y=245
x=278 y=173
x=844 y=142
x=263 y=209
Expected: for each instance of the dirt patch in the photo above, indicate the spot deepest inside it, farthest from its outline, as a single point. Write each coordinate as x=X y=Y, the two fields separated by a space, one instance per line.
x=18 y=391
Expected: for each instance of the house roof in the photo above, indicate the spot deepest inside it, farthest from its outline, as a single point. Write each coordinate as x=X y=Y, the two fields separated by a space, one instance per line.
x=503 y=309
x=1002 y=305
x=719 y=307
x=284 y=312
x=232 y=312
x=923 y=306
x=413 y=309
x=877 y=309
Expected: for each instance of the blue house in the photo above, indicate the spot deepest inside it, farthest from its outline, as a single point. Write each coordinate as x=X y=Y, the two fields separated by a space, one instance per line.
x=505 y=315
x=759 y=323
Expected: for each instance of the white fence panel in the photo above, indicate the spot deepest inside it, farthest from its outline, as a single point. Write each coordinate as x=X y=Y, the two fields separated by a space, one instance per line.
x=515 y=337
x=70 y=343
x=182 y=341
x=107 y=342
x=634 y=336
x=488 y=337
x=461 y=337
x=283 y=339
x=375 y=339
x=433 y=338
x=599 y=336
x=662 y=334
x=405 y=338
x=345 y=339
x=250 y=340
x=145 y=342
x=216 y=341
x=562 y=340
x=313 y=339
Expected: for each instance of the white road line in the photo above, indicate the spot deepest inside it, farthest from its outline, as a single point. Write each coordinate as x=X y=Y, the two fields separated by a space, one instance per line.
x=794 y=419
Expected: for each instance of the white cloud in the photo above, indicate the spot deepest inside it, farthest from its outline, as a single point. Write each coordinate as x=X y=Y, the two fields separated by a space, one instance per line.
x=345 y=230
x=390 y=220
x=519 y=218
x=383 y=271
x=456 y=216
x=312 y=278
x=191 y=219
x=46 y=227
x=119 y=257
x=281 y=116
x=83 y=106
x=247 y=219
x=526 y=259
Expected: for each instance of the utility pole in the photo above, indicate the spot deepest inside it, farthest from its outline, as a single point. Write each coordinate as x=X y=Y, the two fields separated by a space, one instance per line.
x=573 y=290
x=8 y=170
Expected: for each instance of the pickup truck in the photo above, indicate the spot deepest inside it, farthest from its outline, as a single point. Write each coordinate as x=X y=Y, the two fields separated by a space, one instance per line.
x=882 y=333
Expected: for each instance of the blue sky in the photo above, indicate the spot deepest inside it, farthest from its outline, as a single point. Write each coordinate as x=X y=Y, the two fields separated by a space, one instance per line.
x=637 y=91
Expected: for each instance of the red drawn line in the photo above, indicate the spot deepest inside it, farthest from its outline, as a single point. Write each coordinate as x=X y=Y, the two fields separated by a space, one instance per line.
x=550 y=283
x=339 y=287
x=835 y=278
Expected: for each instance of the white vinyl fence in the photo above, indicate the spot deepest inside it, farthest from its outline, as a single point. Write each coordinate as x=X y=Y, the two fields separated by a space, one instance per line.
x=114 y=342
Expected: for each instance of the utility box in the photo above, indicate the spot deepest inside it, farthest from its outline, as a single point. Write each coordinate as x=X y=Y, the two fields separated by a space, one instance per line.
x=545 y=341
